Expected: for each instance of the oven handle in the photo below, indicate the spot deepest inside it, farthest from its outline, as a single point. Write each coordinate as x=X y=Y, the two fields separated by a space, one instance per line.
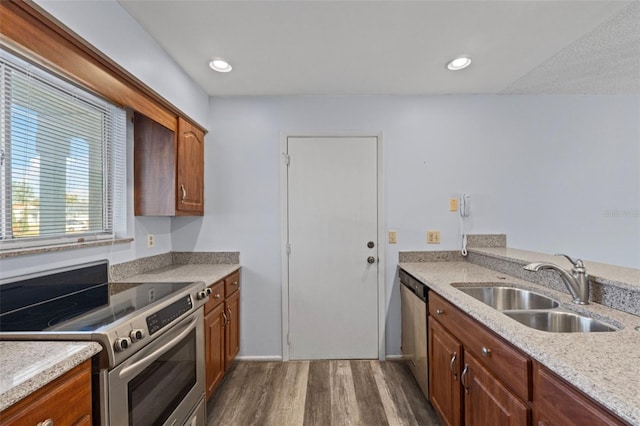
x=148 y=359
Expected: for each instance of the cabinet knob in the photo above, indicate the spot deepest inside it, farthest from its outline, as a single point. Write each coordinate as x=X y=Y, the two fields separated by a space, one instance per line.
x=47 y=422
x=439 y=311
x=235 y=283
x=486 y=351
x=216 y=296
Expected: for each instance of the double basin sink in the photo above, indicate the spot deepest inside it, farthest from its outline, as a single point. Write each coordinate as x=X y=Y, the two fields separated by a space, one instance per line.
x=534 y=310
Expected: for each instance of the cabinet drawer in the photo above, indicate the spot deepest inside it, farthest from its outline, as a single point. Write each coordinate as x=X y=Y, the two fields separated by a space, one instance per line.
x=501 y=358
x=231 y=283
x=216 y=297
x=66 y=401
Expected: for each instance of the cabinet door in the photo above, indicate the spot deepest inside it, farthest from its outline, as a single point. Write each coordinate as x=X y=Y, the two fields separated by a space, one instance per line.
x=557 y=403
x=445 y=392
x=214 y=347
x=487 y=401
x=232 y=330
x=190 y=190
x=154 y=174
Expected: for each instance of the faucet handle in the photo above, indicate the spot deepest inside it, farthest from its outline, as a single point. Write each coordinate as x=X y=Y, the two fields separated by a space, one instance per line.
x=577 y=263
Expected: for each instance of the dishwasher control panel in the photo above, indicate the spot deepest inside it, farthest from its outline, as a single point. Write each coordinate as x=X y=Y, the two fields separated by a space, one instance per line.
x=419 y=289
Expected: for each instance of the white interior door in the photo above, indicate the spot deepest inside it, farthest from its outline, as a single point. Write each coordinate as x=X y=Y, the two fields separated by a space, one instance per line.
x=332 y=220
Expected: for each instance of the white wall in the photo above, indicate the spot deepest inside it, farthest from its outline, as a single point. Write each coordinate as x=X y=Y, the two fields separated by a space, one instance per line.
x=110 y=29
x=543 y=169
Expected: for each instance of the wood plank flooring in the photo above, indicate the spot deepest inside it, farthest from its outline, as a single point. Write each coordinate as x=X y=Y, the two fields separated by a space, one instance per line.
x=319 y=393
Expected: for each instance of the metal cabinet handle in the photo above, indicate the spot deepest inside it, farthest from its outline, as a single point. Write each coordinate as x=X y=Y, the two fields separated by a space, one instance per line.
x=453 y=361
x=235 y=283
x=463 y=378
x=216 y=296
x=48 y=422
x=224 y=319
x=439 y=311
x=486 y=351
x=229 y=310
x=184 y=193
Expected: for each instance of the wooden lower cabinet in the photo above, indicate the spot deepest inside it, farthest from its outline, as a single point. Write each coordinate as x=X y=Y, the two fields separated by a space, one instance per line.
x=477 y=378
x=232 y=328
x=65 y=401
x=445 y=392
x=463 y=389
x=222 y=329
x=487 y=401
x=214 y=340
x=557 y=403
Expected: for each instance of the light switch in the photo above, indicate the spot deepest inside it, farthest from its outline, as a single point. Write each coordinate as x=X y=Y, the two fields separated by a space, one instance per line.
x=393 y=237
x=453 y=204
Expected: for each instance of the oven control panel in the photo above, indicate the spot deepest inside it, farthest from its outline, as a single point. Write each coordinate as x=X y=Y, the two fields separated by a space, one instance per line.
x=168 y=314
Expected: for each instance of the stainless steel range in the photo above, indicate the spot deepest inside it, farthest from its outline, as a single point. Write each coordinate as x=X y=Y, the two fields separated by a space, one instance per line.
x=151 y=371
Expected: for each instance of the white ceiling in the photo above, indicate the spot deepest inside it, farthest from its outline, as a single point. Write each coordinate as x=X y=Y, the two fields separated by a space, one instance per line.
x=400 y=47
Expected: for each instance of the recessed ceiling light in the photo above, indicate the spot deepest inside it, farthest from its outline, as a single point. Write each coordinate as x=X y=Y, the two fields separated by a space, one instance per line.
x=220 y=65
x=459 y=63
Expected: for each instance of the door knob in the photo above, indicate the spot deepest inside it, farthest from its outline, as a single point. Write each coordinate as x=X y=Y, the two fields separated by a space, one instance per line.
x=371 y=244
x=371 y=259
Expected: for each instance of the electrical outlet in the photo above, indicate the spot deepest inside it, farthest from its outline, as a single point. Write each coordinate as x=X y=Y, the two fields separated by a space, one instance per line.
x=453 y=204
x=152 y=294
x=393 y=237
x=150 y=241
x=433 y=237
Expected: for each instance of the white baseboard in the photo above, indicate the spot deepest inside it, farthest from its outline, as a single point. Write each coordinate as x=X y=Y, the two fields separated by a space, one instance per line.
x=259 y=358
x=394 y=357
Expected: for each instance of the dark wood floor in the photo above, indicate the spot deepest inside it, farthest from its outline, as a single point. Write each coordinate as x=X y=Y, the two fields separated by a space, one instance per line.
x=331 y=393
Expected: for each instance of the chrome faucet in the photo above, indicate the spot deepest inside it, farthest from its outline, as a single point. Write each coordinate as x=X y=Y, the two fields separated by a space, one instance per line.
x=577 y=281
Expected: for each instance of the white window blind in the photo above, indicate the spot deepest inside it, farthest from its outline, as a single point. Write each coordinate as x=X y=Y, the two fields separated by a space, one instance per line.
x=62 y=170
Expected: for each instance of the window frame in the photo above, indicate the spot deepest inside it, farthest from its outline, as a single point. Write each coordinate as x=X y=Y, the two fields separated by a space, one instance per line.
x=111 y=151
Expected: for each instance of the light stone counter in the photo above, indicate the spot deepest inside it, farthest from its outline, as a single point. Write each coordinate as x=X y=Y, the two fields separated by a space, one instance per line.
x=27 y=366
x=208 y=273
x=605 y=366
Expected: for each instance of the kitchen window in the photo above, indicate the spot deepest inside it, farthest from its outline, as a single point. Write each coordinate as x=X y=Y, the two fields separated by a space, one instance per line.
x=62 y=167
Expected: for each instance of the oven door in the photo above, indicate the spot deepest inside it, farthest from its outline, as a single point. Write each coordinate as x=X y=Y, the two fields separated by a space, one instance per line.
x=164 y=382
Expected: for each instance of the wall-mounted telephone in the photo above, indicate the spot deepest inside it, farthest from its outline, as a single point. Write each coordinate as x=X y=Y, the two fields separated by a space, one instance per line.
x=465 y=205
x=465 y=212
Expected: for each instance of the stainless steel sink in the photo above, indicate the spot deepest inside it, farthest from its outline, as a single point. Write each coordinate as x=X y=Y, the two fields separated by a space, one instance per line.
x=510 y=298
x=534 y=310
x=558 y=321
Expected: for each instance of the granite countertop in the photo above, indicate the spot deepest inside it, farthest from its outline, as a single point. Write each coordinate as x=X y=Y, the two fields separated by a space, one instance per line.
x=28 y=366
x=208 y=273
x=605 y=366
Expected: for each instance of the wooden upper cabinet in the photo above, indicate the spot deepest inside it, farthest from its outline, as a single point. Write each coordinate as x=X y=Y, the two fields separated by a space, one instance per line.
x=154 y=168
x=168 y=169
x=190 y=165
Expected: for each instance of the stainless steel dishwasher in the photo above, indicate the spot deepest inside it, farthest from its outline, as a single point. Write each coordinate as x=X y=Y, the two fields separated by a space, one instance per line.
x=414 y=300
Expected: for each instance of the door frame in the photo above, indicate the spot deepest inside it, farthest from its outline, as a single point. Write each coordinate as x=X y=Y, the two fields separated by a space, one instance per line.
x=284 y=231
